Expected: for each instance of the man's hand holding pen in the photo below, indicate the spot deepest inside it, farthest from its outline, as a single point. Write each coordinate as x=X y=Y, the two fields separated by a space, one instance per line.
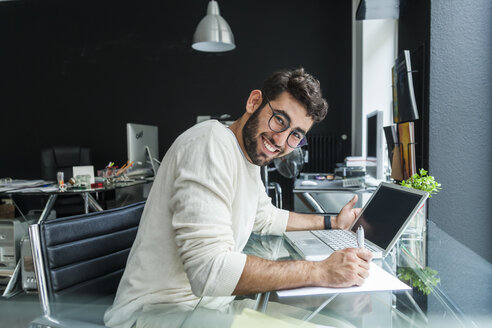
x=344 y=268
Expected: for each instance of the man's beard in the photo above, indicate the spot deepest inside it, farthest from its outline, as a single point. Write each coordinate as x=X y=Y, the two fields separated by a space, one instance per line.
x=250 y=131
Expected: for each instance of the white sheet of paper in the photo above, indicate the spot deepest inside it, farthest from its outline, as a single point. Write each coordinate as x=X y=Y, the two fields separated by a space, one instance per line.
x=378 y=280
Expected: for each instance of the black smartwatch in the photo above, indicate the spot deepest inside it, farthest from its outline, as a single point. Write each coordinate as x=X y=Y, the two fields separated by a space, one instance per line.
x=327 y=221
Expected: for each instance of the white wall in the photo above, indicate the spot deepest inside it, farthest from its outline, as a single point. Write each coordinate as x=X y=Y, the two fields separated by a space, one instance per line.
x=374 y=53
x=378 y=55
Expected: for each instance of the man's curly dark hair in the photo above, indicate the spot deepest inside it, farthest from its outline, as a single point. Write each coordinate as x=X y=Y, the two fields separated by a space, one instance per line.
x=300 y=85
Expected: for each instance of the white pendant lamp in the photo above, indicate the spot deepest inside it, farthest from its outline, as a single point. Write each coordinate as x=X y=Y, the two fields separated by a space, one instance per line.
x=213 y=34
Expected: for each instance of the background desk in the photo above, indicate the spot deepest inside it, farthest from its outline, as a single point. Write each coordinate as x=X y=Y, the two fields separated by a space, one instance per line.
x=326 y=196
x=123 y=193
x=19 y=247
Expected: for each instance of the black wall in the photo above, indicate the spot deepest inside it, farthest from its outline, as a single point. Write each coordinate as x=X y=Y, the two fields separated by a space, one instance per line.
x=74 y=73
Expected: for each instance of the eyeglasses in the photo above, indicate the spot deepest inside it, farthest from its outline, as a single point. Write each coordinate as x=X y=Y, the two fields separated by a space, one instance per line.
x=279 y=122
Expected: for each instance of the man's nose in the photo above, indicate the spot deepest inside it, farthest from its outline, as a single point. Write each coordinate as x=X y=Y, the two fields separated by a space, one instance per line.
x=280 y=138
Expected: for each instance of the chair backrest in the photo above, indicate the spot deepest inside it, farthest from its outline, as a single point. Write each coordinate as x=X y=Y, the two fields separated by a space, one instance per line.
x=79 y=260
x=56 y=159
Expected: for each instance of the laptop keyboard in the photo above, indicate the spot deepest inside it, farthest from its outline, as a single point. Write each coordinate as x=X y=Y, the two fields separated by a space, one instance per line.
x=352 y=183
x=336 y=239
x=339 y=239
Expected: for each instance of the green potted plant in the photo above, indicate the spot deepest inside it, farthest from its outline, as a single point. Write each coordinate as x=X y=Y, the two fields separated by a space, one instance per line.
x=422 y=181
x=413 y=268
x=425 y=182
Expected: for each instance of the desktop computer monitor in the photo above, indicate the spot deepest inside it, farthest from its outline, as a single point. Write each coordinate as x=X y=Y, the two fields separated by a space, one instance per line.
x=374 y=144
x=143 y=145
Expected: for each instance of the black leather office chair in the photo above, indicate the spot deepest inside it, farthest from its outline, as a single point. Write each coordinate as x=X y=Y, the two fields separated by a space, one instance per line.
x=56 y=159
x=62 y=159
x=79 y=261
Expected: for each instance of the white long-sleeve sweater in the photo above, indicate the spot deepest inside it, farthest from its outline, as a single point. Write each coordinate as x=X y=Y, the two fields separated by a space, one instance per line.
x=204 y=203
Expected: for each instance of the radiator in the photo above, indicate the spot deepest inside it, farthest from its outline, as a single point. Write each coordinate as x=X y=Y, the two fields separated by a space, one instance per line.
x=324 y=152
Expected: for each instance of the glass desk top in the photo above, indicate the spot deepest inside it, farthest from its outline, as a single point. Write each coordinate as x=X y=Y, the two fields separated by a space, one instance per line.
x=454 y=292
x=458 y=289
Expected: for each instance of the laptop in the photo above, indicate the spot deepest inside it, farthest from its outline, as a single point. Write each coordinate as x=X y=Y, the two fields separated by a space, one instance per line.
x=384 y=218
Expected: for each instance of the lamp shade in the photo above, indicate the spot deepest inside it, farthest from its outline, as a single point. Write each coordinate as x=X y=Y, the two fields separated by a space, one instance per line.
x=213 y=34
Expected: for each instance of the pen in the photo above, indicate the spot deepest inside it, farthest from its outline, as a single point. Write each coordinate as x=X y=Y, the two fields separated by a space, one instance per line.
x=124 y=168
x=360 y=237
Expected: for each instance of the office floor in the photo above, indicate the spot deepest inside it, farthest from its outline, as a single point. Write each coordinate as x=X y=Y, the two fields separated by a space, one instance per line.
x=19 y=311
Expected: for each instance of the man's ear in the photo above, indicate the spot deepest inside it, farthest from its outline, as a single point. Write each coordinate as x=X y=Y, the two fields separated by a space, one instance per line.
x=254 y=101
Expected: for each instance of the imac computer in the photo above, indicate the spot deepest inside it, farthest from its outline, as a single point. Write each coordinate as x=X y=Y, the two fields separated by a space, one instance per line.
x=374 y=144
x=143 y=148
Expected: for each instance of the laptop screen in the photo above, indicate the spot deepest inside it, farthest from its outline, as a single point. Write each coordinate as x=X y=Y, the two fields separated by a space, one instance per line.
x=386 y=213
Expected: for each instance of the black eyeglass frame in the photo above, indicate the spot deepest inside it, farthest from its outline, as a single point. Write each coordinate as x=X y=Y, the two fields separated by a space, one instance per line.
x=302 y=141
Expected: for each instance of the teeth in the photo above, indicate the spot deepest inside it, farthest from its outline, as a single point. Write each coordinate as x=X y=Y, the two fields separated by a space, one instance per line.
x=267 y=146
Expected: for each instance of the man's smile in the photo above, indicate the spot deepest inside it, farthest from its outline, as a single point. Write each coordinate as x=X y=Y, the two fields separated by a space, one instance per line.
x=269 y=146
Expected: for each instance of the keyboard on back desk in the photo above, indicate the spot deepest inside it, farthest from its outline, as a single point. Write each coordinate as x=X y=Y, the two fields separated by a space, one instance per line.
x=352 y=183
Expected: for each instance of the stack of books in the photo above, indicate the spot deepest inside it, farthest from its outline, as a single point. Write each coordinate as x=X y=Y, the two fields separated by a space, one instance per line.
x=359 y=161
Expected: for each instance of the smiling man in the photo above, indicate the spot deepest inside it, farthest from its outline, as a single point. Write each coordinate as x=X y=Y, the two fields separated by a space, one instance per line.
x=279 y=138
x=208 y=197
